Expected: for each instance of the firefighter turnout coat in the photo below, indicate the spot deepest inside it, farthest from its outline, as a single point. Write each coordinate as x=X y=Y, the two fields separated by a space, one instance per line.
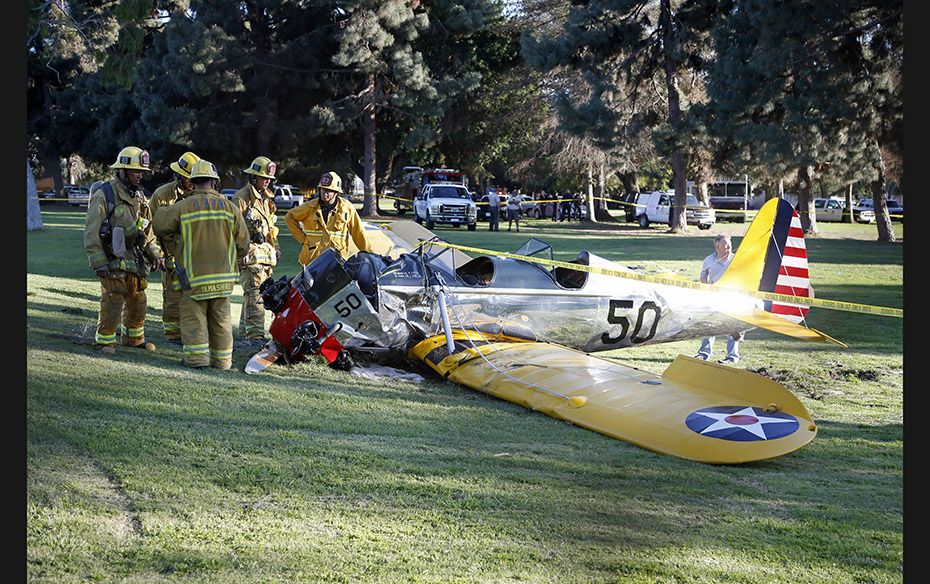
x=209 y=233
x=343 y=231
x=258 y=210
x=132 y=214
x=167 y=194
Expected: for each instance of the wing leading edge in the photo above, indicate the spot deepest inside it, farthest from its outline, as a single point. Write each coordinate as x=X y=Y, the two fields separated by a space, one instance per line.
x=695 y=410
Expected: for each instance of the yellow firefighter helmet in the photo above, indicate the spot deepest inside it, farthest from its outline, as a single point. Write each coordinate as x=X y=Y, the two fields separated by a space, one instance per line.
x=330 y=180
x=204 y=169
x=132 y=158
x=184 y=164
x=263 y=167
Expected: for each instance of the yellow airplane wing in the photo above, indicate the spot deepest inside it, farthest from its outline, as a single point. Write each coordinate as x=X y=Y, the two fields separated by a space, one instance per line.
x=695 y=410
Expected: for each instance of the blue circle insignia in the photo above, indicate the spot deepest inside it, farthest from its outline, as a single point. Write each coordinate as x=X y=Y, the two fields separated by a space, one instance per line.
x=741 y=423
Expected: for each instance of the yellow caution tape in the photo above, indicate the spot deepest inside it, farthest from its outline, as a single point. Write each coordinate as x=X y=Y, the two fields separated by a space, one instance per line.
x=785 y=298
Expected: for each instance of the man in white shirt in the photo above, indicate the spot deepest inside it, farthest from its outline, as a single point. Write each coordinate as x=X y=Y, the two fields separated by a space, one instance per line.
x=714 y=266
x=494 y=210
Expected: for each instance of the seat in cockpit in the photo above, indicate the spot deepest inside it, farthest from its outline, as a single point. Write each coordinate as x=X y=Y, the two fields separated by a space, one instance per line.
x=476 y=272
x=569 y=278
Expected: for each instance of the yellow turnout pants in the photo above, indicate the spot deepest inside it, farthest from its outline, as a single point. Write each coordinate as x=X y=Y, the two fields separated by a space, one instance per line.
x=171 y=305
x=206 y=330
x=252 y=319
x=122 y=306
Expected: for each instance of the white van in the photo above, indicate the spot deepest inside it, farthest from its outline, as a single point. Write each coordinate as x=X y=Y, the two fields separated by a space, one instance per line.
x=654 y=208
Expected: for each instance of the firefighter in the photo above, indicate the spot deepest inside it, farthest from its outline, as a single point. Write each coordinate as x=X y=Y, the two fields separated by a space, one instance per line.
x=168 y=194
x=121 y=249
x=327 y=221
x=210 y=239
x=256 y=202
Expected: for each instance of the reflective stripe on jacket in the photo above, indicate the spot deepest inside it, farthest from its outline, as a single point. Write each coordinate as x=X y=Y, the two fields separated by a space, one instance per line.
x=133 y=215
x=210 y=235
x=343 y=228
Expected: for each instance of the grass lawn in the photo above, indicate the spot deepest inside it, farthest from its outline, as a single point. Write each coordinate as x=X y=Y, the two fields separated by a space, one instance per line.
x=139 y=470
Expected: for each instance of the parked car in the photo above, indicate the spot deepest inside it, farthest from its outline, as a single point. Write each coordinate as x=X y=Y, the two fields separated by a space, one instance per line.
x=543 y=210
x=863 y=211
x=831 y=209
x=654 y=208
x=228 y=193
x=46 y=197
x=895 y=210
x=76 y=195
x=287 y=196
x=482 y=214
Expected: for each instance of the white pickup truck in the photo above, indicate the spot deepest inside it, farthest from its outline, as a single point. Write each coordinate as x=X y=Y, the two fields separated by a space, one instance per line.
x=448 y=203
x=654 y=208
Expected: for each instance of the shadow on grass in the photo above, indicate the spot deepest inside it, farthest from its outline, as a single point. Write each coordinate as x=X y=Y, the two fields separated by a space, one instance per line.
x=478 y=465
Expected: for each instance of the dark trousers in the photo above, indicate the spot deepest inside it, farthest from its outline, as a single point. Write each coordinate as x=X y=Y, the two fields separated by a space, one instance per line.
x=495 y=221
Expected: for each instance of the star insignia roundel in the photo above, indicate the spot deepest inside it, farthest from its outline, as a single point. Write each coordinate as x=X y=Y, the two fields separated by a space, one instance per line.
x=741 y=423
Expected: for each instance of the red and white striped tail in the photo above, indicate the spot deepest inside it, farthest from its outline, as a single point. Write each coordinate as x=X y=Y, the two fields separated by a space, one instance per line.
x=793 y=274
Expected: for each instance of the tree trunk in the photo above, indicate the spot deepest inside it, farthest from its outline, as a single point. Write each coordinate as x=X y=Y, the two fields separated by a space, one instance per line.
x=882 y=221
x=805 y=208
x=677 y=219
x=590 y=194
x=630 y=184
x=370 y=206
x=33 y=213
x=600 y=210
x=847 y=212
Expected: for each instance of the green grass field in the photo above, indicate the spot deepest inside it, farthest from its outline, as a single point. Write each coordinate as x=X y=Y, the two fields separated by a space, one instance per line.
x=139 y=470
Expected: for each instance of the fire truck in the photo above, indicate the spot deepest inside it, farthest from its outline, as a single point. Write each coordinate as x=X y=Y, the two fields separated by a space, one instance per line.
x=415 y=178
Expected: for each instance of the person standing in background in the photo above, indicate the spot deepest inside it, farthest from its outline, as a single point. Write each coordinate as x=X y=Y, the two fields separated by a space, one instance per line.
x=714 y=266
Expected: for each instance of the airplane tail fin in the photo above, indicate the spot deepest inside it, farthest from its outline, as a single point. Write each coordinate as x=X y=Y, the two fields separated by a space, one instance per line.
x=773 y=258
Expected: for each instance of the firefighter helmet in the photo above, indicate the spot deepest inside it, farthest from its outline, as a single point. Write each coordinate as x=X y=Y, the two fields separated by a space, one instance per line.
x=204 y=169
x=132 y=158
x=184 y=164
x=330 y=180
x=263 y=167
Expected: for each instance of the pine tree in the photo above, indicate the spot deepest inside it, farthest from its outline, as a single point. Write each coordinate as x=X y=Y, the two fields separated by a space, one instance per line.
x=812 y=88
x=622 y=49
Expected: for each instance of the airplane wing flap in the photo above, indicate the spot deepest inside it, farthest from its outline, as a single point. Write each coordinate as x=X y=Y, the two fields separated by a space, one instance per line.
x=776 y=324
x=695 y=410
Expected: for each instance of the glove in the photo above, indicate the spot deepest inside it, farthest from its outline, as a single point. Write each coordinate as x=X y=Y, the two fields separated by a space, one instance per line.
x=159 y=265
x=277 y=254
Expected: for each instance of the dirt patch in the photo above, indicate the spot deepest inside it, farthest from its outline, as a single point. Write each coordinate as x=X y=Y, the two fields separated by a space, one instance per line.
x=860 y=374
x=807 y=384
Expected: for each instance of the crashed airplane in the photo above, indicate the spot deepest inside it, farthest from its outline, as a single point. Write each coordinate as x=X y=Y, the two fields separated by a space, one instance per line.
x=512 y=326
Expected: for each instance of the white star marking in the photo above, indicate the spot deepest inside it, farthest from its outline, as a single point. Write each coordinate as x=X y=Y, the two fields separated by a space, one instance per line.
x=755 y=428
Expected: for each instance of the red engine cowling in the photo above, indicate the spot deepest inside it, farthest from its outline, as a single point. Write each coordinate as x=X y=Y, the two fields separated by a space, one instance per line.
x=295 y=313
